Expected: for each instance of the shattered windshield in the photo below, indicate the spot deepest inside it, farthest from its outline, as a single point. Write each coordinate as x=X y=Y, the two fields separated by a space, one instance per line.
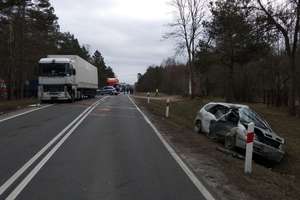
x=54 y=69
x=247 y=115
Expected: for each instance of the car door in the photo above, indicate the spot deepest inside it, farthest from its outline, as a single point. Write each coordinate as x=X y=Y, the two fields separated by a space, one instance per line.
x=206 y=117
x=226 y=120
x=217 y=115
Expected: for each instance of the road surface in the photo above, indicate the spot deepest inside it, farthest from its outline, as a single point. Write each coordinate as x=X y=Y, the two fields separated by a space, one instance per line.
x=93 y=149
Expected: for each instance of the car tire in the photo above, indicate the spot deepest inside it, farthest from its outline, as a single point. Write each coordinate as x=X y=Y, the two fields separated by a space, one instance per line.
x=197 y=127
x=211 y=134
x=229 y=141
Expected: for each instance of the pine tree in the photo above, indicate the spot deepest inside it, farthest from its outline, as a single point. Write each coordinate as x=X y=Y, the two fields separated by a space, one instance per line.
x=235 y=36
x=104 y=72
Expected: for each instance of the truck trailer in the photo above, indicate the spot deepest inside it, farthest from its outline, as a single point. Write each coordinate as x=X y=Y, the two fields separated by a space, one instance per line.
x=66 y=77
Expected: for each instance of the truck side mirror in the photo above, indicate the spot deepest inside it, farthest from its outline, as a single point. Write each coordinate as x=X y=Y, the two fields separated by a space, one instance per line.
x=74 y=71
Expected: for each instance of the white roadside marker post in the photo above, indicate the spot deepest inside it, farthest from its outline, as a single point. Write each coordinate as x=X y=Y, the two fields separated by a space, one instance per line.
x=167 y=108
x=148 y=97
x=249 y=148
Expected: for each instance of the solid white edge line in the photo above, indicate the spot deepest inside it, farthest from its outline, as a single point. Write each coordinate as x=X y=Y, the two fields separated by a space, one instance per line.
x=17 y=174
x=207 y=195
x=26 y=112
x=38 y=167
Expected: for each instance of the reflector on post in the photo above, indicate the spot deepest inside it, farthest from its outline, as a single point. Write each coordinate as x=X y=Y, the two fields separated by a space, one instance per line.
x=167 y=107
x=249 y=148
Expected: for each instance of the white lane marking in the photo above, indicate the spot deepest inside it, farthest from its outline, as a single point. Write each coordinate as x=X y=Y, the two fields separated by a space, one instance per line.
x=207 y=195
x=17 y=174
x=38 y=167
x=24 y=113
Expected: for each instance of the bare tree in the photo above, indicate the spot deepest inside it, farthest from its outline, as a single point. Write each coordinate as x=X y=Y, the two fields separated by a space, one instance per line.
x=285 y=16
x=186 y=29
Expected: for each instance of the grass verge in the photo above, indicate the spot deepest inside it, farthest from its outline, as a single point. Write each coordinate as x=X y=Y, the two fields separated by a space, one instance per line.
x=279 y=182
x=7 y=106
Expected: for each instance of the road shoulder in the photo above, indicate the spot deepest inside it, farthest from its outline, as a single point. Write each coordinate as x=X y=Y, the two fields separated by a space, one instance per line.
x=222 y=173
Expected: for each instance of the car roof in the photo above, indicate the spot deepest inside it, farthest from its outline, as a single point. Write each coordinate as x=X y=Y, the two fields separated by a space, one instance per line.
x=229 y=105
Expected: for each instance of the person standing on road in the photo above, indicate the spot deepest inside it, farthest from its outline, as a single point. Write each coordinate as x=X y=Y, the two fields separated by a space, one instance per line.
x=131 y=90
x=156 y=93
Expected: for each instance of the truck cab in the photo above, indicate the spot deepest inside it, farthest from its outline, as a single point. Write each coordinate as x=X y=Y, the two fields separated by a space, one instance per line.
x=66 y=77
x=57 y=79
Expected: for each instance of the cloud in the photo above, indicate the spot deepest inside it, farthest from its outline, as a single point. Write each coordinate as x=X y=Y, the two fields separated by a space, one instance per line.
x=128 y=33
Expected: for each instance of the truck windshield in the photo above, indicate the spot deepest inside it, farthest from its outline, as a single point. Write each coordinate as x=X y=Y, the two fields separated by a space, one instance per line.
x=54 y=69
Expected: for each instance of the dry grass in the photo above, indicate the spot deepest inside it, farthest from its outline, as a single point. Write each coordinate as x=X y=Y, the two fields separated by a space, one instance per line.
x=6 y=106
x=289 y=128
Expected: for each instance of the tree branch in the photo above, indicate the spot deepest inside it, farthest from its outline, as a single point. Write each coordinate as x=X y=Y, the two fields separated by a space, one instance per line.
x=278 y=26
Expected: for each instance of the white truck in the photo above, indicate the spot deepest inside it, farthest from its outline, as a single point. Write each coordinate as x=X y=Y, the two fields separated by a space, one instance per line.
x=66 y=77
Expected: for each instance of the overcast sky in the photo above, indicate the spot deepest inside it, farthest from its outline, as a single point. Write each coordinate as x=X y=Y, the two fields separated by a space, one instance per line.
x=127 y=32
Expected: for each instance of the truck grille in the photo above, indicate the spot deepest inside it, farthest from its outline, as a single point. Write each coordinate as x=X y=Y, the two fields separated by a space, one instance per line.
x=53 y=88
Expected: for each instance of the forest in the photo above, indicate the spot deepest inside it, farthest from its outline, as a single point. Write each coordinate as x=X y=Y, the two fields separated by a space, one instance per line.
x=29 y=30
x=241 y=50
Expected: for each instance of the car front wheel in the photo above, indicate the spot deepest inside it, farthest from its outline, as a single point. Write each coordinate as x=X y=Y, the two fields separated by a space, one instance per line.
x=229 y=142
x=197 y=127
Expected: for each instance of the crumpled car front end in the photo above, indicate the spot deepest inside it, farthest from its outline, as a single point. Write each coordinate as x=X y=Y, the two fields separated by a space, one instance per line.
x=266 y=144
x=268 y=152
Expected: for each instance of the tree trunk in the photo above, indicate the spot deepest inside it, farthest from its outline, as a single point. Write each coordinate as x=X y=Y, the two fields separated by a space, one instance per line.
x=229 y=84
x=11 y=64
x=292 y=92
x=191 y=84
x=192 y=81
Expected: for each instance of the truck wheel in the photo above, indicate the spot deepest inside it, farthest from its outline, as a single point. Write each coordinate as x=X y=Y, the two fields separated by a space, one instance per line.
x=43 y=101
x=197 y=127
x=72 y=97
x=229 y=141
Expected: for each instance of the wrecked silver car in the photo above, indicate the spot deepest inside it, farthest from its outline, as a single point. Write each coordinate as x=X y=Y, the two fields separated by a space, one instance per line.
x=229 y=122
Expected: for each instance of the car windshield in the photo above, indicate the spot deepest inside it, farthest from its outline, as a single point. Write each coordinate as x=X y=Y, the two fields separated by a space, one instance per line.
x=247 y=115
x=54 y=69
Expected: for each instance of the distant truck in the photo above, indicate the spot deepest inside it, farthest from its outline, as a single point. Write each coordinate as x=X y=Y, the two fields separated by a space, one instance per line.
x=112 y=81
x=66 y=77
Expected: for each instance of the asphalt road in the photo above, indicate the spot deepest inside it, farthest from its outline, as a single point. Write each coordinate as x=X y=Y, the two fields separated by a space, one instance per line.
x=102 y=149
